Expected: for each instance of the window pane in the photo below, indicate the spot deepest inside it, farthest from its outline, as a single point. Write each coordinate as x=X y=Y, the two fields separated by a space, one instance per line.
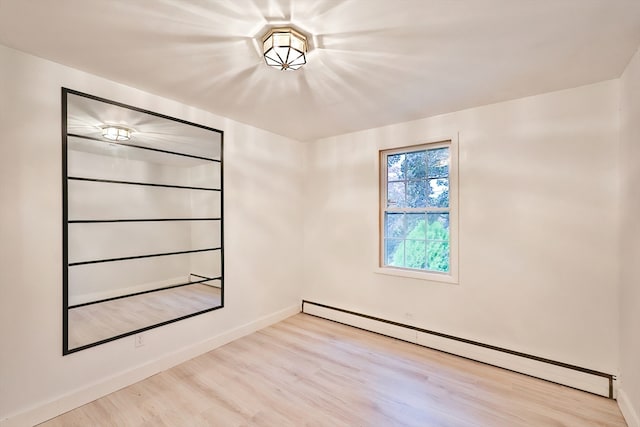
x=394 y=225
x=438 y=226
x=395 y=195
x=415 y=254
x=438 y=256
x=416 y=229
x=416 y=165
x=438 y=166
x=416 y=226
x=394 y=252
x=417 y=194
x=396 y=167
x=439 y=193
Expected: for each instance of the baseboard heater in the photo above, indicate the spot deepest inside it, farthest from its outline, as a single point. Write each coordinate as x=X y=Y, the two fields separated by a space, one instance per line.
x=566 y=374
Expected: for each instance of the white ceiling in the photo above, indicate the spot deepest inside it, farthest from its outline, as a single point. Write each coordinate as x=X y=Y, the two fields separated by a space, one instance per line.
x=372 y=63
x=85 y=117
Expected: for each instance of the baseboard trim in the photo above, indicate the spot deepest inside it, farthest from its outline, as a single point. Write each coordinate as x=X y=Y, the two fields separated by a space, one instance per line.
x=106 y=295
x=47 y=410
x=566 y=374
x=629 y=413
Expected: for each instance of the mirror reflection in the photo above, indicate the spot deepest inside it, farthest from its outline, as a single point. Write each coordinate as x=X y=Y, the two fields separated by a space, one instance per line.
x=143 y=241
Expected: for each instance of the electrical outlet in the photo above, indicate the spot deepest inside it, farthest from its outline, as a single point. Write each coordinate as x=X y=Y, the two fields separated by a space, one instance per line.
x=138 y=340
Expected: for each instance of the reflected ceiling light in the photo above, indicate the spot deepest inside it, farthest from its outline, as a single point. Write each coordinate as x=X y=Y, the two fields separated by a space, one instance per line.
x=116 y=133
x=284 y=48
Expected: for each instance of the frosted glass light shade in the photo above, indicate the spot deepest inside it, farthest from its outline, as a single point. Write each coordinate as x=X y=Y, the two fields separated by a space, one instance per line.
x=284 y=48
x=116 y=133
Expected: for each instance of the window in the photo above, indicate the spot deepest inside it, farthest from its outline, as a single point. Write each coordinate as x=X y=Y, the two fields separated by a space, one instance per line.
x=417 y=215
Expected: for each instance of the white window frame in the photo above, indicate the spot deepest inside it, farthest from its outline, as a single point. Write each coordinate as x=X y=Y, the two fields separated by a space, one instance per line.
x=452 y=275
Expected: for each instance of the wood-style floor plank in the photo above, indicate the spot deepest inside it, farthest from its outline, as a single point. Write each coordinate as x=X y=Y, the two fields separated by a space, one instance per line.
x=307 y=371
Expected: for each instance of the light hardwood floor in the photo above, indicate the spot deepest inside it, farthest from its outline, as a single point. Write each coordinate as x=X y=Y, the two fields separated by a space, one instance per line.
x=95 y=322
x=307 y=371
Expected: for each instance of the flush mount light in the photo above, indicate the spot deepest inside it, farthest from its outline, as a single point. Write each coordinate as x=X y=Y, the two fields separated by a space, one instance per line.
x=116 y=133
x=284 y=48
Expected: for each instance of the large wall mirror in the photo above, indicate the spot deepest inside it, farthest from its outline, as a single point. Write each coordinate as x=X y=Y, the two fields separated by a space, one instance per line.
x=142 y=220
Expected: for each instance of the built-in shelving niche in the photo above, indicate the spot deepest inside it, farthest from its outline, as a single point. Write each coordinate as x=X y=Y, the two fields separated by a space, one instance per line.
x=142 y=221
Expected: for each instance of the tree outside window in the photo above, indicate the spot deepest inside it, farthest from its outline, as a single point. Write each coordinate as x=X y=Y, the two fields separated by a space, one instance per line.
x=416 y=208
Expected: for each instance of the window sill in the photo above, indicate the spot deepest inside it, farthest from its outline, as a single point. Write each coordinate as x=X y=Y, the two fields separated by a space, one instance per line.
x=420 y=275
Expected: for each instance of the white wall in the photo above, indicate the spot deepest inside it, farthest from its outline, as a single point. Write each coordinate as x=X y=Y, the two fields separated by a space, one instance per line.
x=205 y=233
x=629 y=397
x=263 y=177
x=538 y=214
x=90 y=200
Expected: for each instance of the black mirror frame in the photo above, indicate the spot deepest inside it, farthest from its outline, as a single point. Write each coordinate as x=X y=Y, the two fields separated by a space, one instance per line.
x=65 y=221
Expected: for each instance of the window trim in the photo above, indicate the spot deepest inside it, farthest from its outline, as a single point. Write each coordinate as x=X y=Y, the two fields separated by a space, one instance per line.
x=431 y=143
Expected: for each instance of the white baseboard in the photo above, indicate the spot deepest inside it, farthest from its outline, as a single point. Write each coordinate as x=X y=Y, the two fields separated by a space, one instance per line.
x=47 y=410
x=628 y=411
x=98 y=296
x=558 y=374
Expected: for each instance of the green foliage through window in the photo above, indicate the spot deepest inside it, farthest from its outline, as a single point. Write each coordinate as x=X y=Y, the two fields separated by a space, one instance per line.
x=416 y=232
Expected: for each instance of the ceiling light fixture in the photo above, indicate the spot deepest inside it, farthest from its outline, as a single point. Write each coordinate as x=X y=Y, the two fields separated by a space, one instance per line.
x=284 y=48
x=116 y=133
